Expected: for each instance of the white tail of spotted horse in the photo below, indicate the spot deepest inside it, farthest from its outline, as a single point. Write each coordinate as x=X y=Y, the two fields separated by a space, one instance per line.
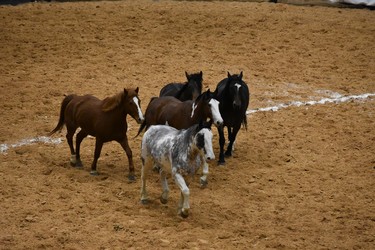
x=179 y=152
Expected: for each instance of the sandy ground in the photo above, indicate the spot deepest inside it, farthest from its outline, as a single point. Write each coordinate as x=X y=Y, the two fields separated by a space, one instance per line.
x=300 y=178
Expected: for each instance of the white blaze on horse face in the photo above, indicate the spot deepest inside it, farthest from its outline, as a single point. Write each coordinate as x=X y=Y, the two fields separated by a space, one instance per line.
x=207 y=133
x=216 y=116
x=140 y=114
x=238 y=86
x=193 y=109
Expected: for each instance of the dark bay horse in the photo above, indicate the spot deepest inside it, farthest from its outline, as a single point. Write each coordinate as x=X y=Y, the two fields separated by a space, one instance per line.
x=189 y=90
x=233 y=95
x=168 y=110
x=103 y=119
x=179 y=153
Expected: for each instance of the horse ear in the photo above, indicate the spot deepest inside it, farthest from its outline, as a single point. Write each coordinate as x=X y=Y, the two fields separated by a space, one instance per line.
x=136 y=90
x=241 y=75
x=201 y=73
x=125 y=92
x=228 y=74
x=187 y=75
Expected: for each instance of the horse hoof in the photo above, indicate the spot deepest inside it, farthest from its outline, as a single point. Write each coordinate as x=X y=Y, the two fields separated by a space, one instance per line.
x=203 y=183
x=94 y=173
x=144 y=202
x=184 y=214
x=163 y=201
x=76 y=164
x=131 y=178
x=221 y=163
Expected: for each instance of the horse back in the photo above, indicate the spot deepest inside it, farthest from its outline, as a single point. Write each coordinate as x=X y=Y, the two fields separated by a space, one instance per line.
x=171 y=89
x=157 y=142
x=168 y=110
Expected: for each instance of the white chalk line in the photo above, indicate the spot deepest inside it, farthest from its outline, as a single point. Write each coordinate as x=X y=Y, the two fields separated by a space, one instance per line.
x=336 y=99
x=23 y=142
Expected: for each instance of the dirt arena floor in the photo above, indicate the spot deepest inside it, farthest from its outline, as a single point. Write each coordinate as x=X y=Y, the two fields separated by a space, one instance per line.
x=300 y=178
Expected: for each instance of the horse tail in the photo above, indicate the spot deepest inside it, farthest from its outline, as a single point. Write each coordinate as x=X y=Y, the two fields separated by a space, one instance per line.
x=144 y=123
x=244 y=121
x=61 y=122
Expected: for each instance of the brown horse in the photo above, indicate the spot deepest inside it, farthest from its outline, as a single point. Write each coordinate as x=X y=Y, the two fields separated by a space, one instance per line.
x=181 y=115
x=103 y=119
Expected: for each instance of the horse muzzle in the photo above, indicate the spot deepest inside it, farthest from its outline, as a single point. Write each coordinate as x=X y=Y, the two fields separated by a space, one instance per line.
x=140 y=120
x=236 y=105
x=210 y=157
x=218 y=123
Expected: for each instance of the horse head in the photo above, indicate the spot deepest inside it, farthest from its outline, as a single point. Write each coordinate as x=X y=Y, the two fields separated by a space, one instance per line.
x=193 y=84
x=203 y=139
x=234 y=86
x=209 y=105
x=132 y=104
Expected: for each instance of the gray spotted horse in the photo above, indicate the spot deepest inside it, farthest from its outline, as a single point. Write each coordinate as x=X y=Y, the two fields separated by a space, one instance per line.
x=178 y=152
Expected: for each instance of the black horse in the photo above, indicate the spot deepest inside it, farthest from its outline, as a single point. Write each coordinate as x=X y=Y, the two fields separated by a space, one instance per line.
x=189 y=90
x=233 y=95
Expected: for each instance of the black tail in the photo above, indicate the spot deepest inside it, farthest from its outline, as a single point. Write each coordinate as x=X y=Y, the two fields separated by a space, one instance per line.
x=61 y=122
x=244 y=121
x=144 y=123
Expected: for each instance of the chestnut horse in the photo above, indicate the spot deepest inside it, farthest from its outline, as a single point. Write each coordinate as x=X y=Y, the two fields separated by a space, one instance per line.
x=103 y=119
x=168 y=110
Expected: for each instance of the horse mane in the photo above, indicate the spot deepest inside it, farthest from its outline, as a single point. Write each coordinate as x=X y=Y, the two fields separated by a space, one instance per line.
x=190 y=133
x=207 y=94
x=197 y=79
x=234 y=77
x=110 y=103
x=180 y=91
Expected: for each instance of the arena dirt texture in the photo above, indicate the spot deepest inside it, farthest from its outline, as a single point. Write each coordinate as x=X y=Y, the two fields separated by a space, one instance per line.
x=300 y=177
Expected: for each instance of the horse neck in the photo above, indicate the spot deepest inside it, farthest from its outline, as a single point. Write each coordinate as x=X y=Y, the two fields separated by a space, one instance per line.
x=182 y=92
x=120 y=113
x=187 y=137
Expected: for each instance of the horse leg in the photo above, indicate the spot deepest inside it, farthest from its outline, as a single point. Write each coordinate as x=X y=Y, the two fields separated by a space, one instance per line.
x=79 y=138
x=185 y=193
x=230 y=132
x=232 y=138
x=98 y=150
x=203 y=179
x=164 y=184
x=69 y=139
x=146 y=166
x=221 y=143
x=125 y=145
